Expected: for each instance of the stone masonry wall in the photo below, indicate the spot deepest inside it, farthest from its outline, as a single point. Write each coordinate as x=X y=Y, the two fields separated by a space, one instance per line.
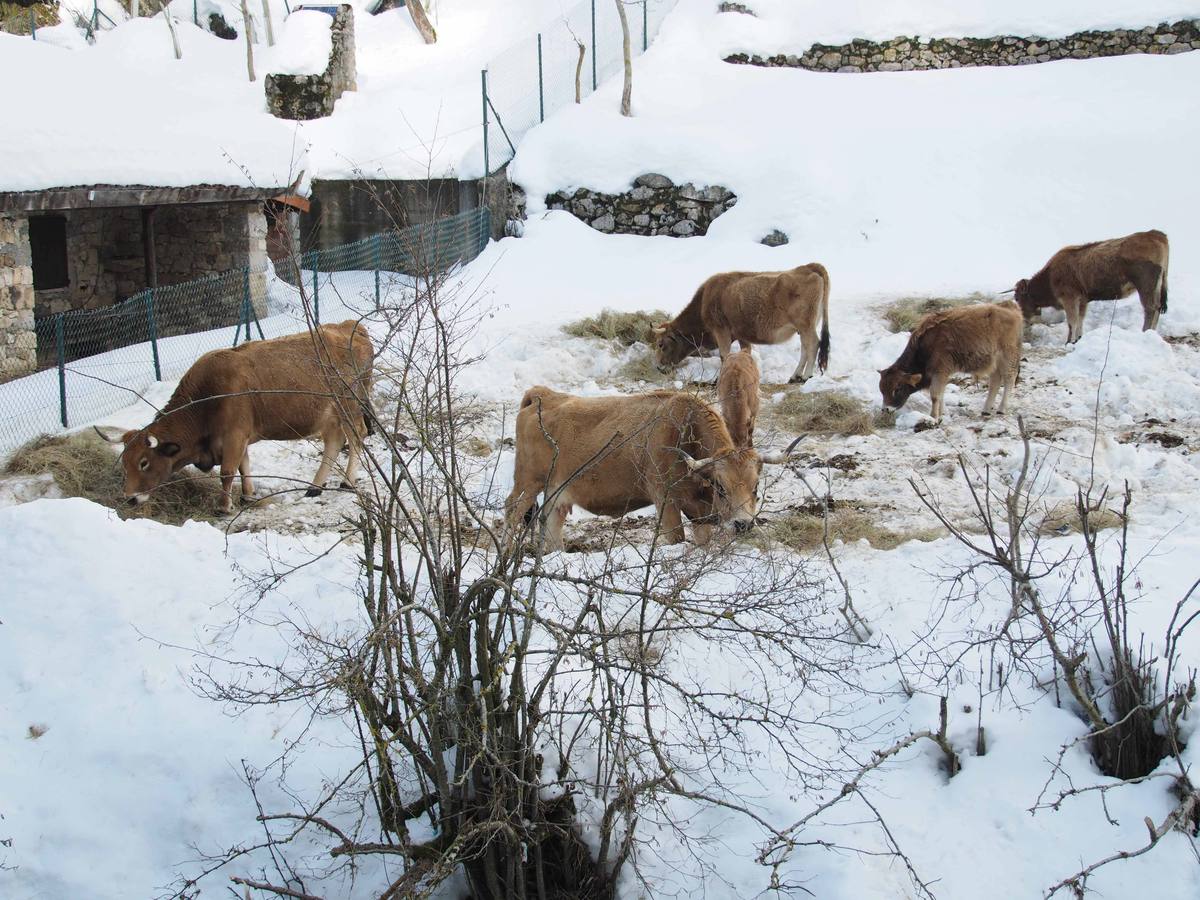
x=655 y=205
x=303 y=97
x=18 y=341
x=907 y=54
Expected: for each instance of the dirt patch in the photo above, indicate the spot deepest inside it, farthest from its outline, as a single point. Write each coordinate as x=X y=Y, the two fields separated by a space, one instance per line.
x=1064 y=518
x=802 y=528
x=1164 y=439
x=625 y=329
x=905 y=313
x=85 y=466
x=822 y=412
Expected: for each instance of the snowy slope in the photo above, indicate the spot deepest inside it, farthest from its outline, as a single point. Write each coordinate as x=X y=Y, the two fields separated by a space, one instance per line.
x=902 y=184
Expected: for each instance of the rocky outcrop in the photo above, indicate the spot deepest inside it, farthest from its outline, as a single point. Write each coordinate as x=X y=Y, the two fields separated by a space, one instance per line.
x=903 y=54
x=655 y=205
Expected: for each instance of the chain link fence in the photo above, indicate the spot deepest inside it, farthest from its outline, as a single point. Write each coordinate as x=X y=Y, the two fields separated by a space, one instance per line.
x=564 y=62
x=95 y=362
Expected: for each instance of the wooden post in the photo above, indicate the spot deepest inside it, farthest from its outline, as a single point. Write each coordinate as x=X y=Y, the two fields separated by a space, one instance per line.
x=171 y=28
x=151 y=260
x=417 y=11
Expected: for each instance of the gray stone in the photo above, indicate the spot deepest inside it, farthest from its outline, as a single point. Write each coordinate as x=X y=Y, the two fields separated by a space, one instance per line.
x=641 y=192
x=641 y=220
x=1165 y=39
x=775 y=239
x=654 y=180
x=605 y=223
x=684 y=228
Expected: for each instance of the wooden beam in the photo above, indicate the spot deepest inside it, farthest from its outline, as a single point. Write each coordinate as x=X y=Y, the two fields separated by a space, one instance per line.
x=148 y=246
x=100 y=196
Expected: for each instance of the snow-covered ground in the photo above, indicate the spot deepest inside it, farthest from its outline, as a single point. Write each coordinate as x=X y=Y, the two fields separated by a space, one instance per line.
x=902 y=184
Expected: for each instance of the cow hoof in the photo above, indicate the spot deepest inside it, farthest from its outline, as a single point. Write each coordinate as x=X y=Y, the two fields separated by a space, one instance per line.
x=346 y=486
x=313 y=492
x=797 y=379
x=248 y=499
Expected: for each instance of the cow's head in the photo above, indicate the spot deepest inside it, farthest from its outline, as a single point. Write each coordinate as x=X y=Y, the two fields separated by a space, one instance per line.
x=670 y=347
x=1024 y=299
x=147 y=459
x=732 y=478
x=896 y=386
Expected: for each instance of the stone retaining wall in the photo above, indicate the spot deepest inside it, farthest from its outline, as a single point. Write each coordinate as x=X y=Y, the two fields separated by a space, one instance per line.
x=903 y=54
x=654 y=205
x=18 y=342
x=303 y=97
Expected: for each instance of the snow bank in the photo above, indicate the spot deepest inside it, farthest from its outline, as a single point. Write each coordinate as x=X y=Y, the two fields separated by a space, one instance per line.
x=304 y=44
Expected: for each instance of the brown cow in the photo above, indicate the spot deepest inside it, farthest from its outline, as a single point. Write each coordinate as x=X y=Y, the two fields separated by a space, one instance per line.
x=289 y=388
x=612 y=455
x=983 y=339
x=1104 y=270
x=737 y=392
x=752 y=308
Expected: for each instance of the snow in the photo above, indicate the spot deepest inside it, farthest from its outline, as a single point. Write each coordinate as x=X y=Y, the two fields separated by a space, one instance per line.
x=304 y=44
x=905 y=184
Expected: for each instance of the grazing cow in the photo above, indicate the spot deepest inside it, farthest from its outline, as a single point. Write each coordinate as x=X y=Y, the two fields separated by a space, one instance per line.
x=737 y=392
x=289 y=388
x=1104 y=270
x=752 y=308
x=983 y=339
x=612 y=455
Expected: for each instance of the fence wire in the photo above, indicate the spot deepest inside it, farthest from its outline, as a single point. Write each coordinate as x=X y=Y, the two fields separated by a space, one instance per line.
x=537 y=76
x=95 y=362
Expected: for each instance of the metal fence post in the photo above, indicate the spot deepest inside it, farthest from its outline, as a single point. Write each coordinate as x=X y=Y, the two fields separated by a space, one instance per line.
x=312 y=259
x=152 y=326
x=483 y=79
x=62 y=367
x=195 y=14
x=645 y=26
x=593 y=45
x=32 y=25
x=541 y=92
x=378 y=265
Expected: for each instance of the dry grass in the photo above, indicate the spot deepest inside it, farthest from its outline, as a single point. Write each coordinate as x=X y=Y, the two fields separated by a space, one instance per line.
x=85 y=466
x=1063 y=518
x=822 y=412
x=477 y=447
x=626 y=329
x=803 y=530
x=904 y=314
x=641 y=368
x=14 y=18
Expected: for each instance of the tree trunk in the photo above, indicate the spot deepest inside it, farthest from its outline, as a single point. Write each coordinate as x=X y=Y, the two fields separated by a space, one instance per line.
x=417 y=11
x=248 y=28
x=627 y=90
x=269 y=25
x=171 y=28
x=579 y=71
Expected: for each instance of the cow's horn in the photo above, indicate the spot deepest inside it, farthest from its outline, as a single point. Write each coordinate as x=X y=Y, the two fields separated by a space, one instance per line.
x=112 y=435
x=776 y=458
x=660 y=329
x=1009 y=291
x=696 y=465
x=152 y=441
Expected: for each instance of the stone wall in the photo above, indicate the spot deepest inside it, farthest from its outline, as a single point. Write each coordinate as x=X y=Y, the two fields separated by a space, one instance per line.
x=654 y=205
x=18 y=342
x=303 y=97
x=907 y=54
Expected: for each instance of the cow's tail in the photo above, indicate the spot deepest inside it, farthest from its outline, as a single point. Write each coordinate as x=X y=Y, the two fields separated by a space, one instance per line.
x=1162 y=286
x=823 y=346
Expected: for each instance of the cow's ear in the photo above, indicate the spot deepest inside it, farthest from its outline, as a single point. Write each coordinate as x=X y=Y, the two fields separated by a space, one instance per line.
x=168 y=449
x=914 y=378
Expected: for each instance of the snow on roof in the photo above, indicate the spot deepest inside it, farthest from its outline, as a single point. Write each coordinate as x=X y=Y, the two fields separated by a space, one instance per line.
x=127 y=112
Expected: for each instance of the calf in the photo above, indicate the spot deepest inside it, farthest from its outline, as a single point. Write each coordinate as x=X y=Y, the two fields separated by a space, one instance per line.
x=980 y=340
x=737 y=393
x=304 y=385
x=752 y=308
x=1104 y=270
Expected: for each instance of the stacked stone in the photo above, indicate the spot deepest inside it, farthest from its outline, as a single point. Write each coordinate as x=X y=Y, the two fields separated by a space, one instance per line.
x=18 y=340
x=654 y=206
x=904 y=54
x=304 y=97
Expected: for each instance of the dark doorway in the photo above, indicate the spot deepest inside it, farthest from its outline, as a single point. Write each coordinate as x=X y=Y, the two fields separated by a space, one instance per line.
x=48 y=248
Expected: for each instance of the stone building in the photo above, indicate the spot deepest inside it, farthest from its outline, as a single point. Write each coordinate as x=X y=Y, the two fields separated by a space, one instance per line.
x=84 y=248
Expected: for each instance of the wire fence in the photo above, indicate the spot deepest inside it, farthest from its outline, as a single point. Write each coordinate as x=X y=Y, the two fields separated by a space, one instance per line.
x=564 y=62
x=95 y=362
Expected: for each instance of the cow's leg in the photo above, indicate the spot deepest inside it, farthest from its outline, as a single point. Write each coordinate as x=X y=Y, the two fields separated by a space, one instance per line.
x=937 y=389
x=701 y=534
x=671 y=524
x=233 y=455
x=353 y=457
x=333 y=445
x=995 y=380
x=556 y=518
x=1075 y=308
x=1150 y=283
x=724 y=341
x=808 y=357
x=1010 y=382
x=247 y=479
